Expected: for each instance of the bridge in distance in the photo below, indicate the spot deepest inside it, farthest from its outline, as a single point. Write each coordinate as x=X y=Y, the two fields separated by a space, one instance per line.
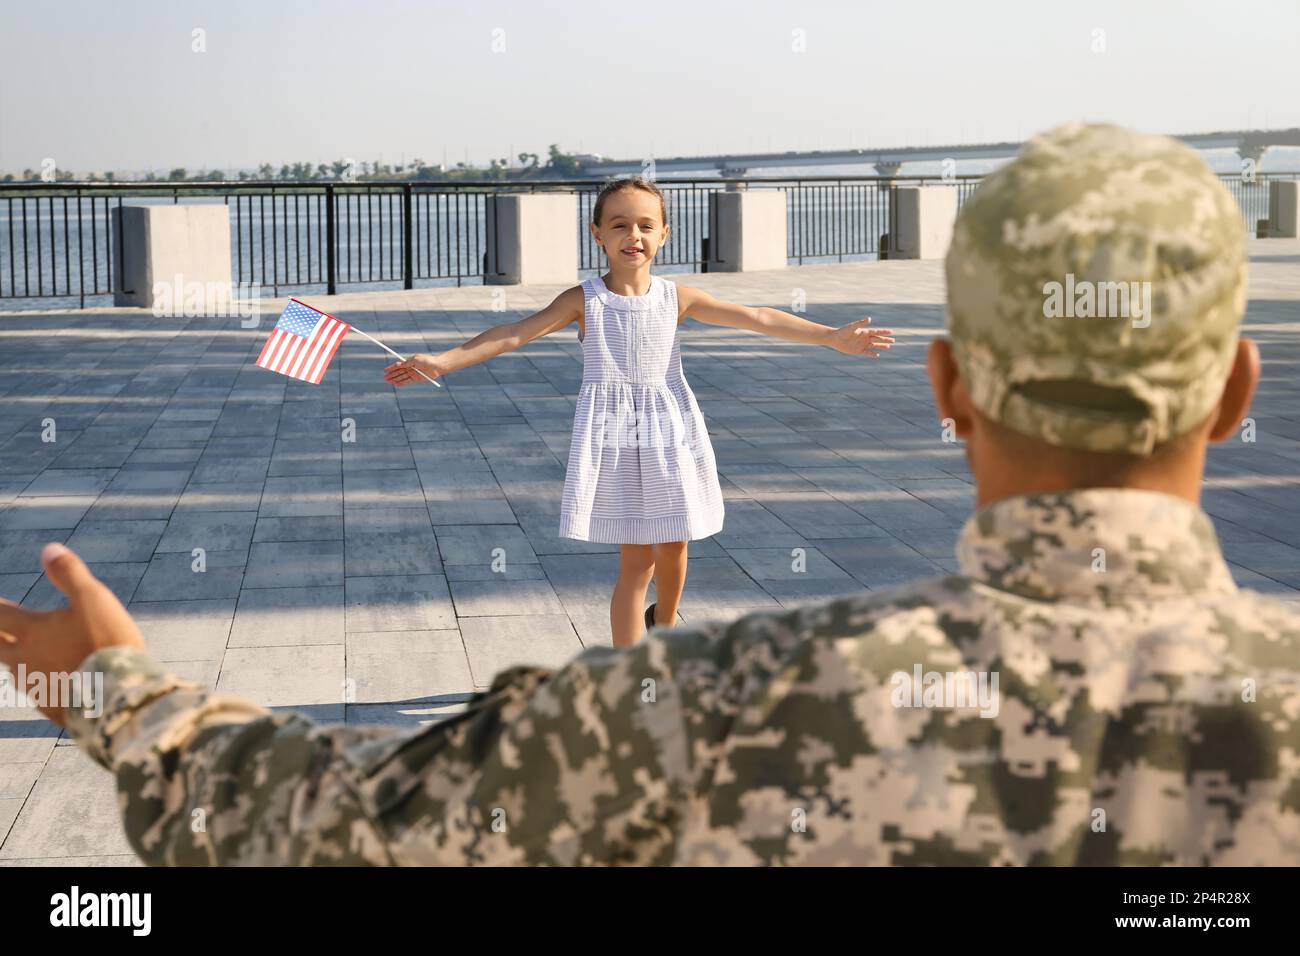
x=1249 y=144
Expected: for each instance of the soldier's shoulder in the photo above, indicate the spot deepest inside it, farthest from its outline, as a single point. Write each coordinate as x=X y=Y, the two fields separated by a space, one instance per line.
x=1257 y=623
x=1269 y=606
x=937 y=610
x=949 y=613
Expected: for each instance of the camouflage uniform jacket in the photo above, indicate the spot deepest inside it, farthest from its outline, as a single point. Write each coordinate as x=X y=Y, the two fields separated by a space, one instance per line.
x=1146 y=711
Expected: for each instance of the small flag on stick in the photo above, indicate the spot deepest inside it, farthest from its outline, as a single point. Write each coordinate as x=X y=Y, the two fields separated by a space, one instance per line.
x=302 y=343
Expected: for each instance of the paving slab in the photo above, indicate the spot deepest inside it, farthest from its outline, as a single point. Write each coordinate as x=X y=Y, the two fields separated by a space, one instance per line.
x=70 y=481
x=44 y=513
x=309 y=678
x=399 y=602
x=494 y=643
x=72 y=811
x=407 y=666
x=130 y=540
x=288 y=616
x=183 y=576
x=308 y=528
x=294 y=564
x=184 y=630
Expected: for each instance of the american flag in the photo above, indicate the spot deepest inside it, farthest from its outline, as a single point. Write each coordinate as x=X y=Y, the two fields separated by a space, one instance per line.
x=302 y=343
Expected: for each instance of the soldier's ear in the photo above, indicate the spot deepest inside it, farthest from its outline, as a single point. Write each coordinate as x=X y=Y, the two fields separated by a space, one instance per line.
x=1238 y=391
x=950 y=396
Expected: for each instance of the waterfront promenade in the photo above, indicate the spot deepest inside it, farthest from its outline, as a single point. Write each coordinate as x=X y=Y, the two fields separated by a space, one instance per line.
x=364 y=580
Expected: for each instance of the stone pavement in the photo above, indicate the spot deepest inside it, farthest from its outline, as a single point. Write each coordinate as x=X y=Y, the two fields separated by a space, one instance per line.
x=356 y=580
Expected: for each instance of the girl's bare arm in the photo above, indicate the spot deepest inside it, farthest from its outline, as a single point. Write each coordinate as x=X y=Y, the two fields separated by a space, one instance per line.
x=854 y=338
x=565 y=309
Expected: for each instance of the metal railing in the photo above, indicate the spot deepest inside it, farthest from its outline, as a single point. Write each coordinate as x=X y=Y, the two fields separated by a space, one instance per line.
x=59 y=230
x=1251 y=194
x=846 y=218
x=380 y=233
x=55 y=240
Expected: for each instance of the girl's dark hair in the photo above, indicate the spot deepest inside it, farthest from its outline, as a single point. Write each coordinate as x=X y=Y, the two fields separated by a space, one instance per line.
x=618 y=185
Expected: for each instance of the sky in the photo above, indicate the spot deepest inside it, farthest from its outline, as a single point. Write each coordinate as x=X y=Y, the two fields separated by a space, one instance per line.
x=121 y=86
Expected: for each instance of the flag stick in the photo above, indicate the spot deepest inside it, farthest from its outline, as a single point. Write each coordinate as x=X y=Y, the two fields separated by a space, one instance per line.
x=391 y=352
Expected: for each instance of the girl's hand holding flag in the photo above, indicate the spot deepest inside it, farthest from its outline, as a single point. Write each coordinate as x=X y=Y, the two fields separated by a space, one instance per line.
x=411 y=370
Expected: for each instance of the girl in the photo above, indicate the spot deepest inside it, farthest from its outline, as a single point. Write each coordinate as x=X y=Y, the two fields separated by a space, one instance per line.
x=641 y=471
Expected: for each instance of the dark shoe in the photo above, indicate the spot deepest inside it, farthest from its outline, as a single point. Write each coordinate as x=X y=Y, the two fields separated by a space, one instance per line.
x=650 y=616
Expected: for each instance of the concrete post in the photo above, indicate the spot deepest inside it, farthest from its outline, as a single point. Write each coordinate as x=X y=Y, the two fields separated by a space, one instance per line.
x=922 y=221
x=1284 y=209
x=172 y=250
x=747 y=230
x=530 y=239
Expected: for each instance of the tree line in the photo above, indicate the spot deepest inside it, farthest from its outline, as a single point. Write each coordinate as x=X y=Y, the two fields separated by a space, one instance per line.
x=559 y=165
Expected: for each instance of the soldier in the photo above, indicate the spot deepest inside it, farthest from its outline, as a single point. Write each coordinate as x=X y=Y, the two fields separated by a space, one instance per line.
x=1092 y=688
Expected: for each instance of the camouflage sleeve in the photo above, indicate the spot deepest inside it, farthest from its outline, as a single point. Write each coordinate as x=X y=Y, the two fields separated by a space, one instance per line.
x=587 y=764
x=209 y=779
x=600 y=762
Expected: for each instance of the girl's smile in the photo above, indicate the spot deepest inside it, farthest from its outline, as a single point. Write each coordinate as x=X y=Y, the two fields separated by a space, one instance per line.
x=631 y=229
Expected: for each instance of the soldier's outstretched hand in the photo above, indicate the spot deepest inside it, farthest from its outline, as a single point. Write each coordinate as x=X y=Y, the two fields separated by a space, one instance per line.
x=56 y=642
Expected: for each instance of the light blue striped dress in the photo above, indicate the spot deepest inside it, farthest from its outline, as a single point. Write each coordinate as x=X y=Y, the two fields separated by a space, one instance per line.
x=641 y=468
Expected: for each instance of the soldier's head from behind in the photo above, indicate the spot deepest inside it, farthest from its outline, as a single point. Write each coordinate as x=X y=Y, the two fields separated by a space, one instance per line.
x=1096 y=285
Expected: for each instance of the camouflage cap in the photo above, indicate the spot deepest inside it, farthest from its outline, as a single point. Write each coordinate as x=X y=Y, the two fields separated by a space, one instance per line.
x=1095 y=287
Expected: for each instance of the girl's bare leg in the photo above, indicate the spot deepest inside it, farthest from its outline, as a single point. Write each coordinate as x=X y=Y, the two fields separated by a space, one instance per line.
x=670 y=578
x=636 y=568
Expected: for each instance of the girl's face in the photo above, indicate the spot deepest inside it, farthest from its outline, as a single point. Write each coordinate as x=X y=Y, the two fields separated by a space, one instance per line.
x=631 y=228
